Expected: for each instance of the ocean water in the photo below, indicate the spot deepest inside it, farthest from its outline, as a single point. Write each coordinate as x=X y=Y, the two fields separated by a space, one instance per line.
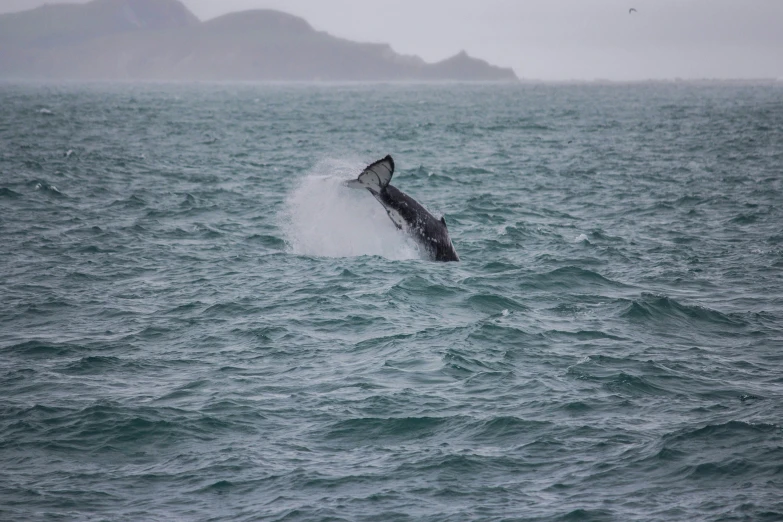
x=198 y=322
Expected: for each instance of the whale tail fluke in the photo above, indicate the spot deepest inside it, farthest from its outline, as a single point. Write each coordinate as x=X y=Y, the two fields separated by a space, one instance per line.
x=375 y=176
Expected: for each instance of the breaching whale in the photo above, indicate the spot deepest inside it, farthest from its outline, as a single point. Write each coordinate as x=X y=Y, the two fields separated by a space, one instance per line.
x=405 y=212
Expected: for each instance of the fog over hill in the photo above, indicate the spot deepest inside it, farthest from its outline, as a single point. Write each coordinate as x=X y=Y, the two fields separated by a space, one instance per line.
x=163 y=40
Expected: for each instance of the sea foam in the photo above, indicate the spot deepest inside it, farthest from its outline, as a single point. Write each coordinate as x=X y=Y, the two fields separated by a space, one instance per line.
x=322 y=217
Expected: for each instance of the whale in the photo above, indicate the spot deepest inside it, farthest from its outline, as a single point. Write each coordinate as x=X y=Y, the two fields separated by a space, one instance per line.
x=407 y=214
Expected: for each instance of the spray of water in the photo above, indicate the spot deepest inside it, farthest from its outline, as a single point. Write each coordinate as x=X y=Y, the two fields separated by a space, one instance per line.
x=322 y=217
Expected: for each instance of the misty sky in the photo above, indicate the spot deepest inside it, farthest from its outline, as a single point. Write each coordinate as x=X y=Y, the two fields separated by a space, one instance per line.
x=552 y=39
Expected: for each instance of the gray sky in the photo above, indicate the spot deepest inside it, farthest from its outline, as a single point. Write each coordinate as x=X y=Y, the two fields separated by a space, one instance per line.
x=552 y=39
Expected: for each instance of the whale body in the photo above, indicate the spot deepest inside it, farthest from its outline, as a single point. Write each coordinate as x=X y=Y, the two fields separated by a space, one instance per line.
x=405 y=212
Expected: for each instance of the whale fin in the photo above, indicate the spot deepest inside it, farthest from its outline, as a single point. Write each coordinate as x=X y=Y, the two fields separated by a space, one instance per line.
x=375 y=176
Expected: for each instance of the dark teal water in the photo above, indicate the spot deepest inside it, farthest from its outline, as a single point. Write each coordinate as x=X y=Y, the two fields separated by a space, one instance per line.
x=198 y=322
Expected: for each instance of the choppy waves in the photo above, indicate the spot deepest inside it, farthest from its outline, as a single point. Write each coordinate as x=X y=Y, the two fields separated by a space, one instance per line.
x=200 y=322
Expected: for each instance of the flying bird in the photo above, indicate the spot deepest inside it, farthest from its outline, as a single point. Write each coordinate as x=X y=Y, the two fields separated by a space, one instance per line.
x=631 y=10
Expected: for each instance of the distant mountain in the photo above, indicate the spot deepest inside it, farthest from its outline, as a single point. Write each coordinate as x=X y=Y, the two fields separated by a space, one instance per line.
x=67 y=24
x=162 y=40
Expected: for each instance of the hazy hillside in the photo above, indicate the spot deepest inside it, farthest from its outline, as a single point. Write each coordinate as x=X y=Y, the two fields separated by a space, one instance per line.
x=162 y=40
x=67 y=24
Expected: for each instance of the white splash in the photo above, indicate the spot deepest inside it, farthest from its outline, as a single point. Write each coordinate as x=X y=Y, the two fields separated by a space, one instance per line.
x=581 y=238
x=322 y=217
